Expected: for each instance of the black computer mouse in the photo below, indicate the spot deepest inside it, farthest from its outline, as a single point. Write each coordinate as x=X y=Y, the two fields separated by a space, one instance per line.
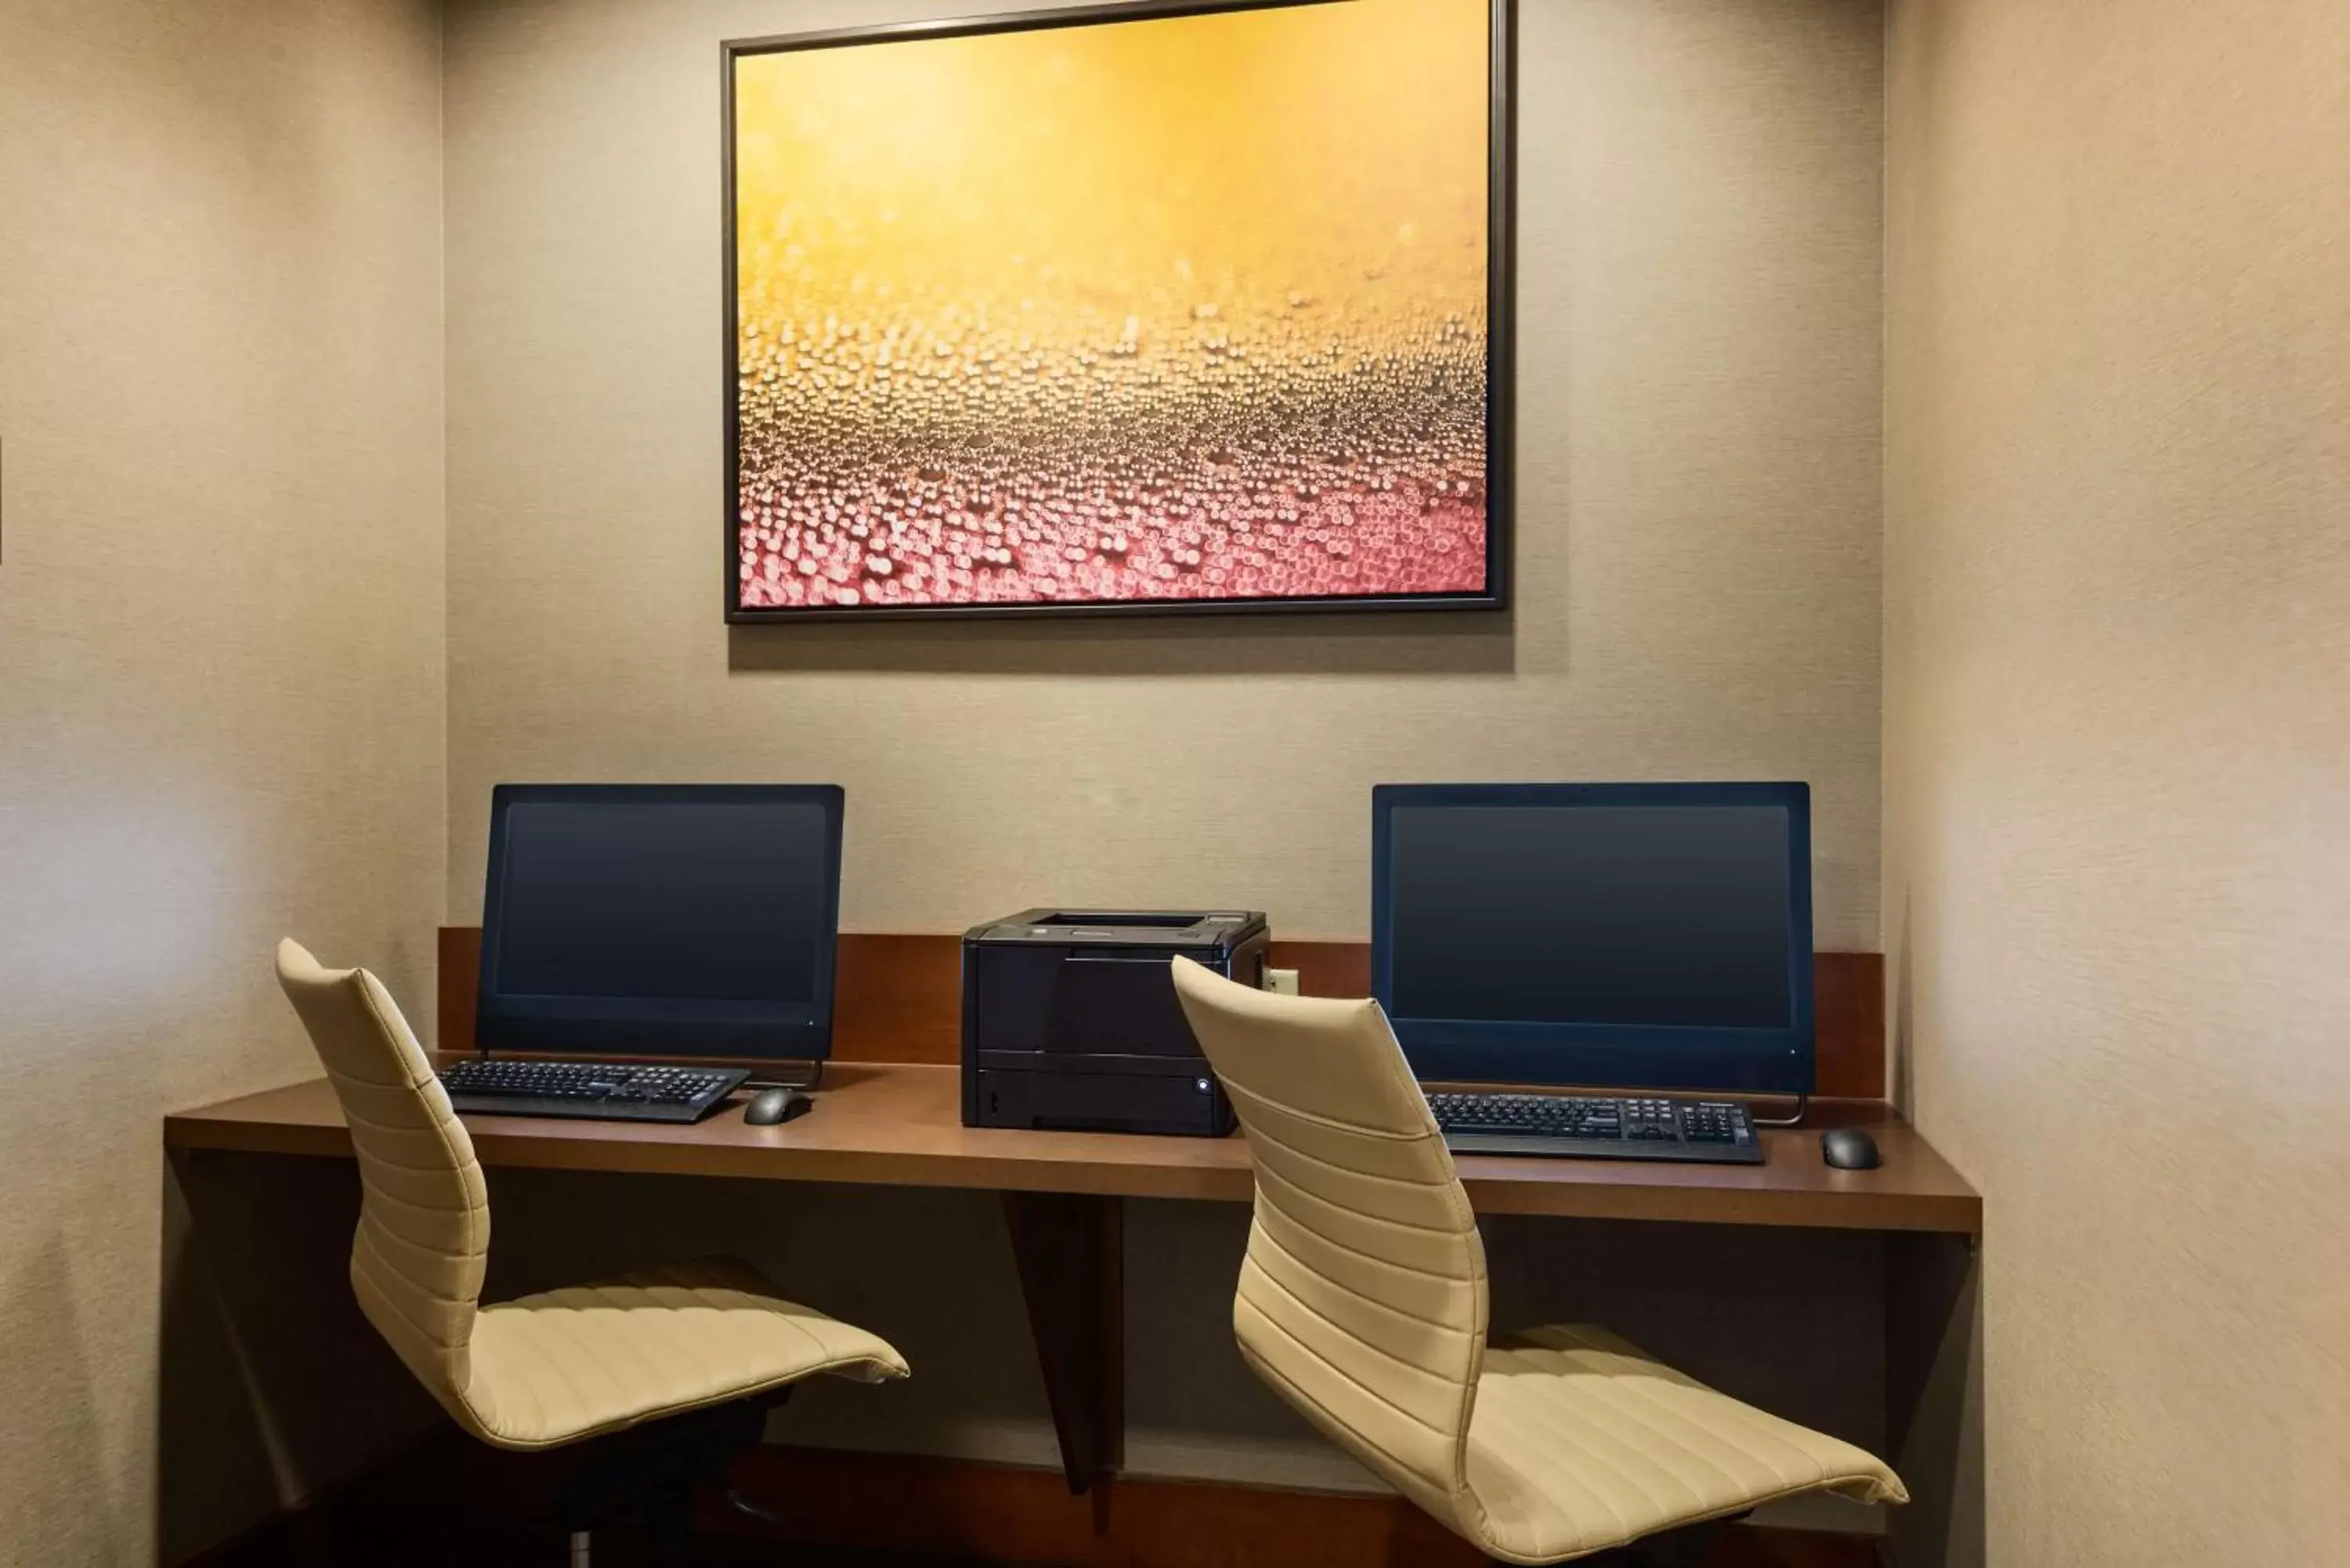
x=769 y=1106
x=1849 y=1148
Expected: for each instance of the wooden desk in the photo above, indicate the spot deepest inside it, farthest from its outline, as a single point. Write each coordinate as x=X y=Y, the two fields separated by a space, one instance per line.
x=888 y=1122
x=900 y=1125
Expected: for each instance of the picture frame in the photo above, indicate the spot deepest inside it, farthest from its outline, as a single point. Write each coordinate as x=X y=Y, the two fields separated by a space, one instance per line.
x=1272 y=524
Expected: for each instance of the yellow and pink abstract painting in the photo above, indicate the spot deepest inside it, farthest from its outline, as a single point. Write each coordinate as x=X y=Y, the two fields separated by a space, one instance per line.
x=1182 y=311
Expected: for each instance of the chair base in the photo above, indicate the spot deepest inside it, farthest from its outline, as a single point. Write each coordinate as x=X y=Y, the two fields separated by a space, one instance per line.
x=652 y=1471
x=1684 y=1548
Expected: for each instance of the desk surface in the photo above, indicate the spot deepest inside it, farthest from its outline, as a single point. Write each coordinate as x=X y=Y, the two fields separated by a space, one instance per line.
x=890 y=1125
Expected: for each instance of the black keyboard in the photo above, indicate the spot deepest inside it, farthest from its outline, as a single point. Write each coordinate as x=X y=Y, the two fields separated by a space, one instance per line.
x=1715 y=1132
x=606 y=1091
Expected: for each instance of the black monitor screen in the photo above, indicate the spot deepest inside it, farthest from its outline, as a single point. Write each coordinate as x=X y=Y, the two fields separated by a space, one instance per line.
x=668 y=920
x=1620 y=915
x=1633 y=935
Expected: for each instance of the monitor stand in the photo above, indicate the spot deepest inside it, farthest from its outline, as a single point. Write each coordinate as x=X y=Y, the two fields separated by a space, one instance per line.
x=790 y=1074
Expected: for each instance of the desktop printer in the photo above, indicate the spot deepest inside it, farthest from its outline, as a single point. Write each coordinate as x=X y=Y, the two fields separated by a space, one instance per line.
x=1070 y=1020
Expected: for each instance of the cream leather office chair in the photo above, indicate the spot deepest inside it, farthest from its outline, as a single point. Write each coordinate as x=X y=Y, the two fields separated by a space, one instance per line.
x=553 y=1369
x=1362 y=1302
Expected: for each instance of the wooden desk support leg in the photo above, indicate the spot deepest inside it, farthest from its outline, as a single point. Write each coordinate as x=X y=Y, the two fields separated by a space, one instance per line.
x=1933 y=1398
x=1070 y=1251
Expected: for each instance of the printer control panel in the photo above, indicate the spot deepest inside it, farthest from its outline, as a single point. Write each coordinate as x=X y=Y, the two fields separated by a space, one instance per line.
x=1122 y=927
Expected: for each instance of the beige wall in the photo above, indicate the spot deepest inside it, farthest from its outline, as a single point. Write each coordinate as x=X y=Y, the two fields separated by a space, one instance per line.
x=1699 y=472
x=220 y=645
x=1699 y=403
x=2118 y=609
x=2117 y=582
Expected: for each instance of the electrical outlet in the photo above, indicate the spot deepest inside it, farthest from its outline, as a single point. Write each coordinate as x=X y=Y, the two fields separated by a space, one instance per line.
x=1280 y=981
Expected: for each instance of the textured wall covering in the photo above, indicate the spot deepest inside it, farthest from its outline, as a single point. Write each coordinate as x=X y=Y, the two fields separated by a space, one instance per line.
x=1699 y=220
x=220 y=655
x=2117 y=738
x=1699 y=330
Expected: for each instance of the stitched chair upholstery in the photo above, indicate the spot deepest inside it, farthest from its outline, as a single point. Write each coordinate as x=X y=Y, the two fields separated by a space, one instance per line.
x=1362 y=1302
x=546 y=1369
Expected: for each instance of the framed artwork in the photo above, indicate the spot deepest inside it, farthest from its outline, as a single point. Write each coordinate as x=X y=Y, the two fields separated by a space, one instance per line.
x=1120 y=309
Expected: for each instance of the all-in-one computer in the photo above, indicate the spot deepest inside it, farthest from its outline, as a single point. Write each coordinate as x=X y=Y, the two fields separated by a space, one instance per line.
x=671 y=934
x=1597 y=936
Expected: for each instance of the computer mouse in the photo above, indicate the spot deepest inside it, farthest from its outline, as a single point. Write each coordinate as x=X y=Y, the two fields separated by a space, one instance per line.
x=1848 y=1148
x=769 y=1106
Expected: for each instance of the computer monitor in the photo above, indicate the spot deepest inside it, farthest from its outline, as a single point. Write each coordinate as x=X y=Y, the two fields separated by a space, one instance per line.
x=692 y=920
x=1608 y=935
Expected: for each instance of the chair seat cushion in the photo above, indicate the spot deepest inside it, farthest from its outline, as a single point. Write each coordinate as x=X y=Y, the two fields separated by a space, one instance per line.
x=569 y=1364
x=1580 y=1442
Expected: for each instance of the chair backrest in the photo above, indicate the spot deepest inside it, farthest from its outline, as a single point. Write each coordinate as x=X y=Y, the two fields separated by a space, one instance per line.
x=1362 y=1301
x=425 y=1221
